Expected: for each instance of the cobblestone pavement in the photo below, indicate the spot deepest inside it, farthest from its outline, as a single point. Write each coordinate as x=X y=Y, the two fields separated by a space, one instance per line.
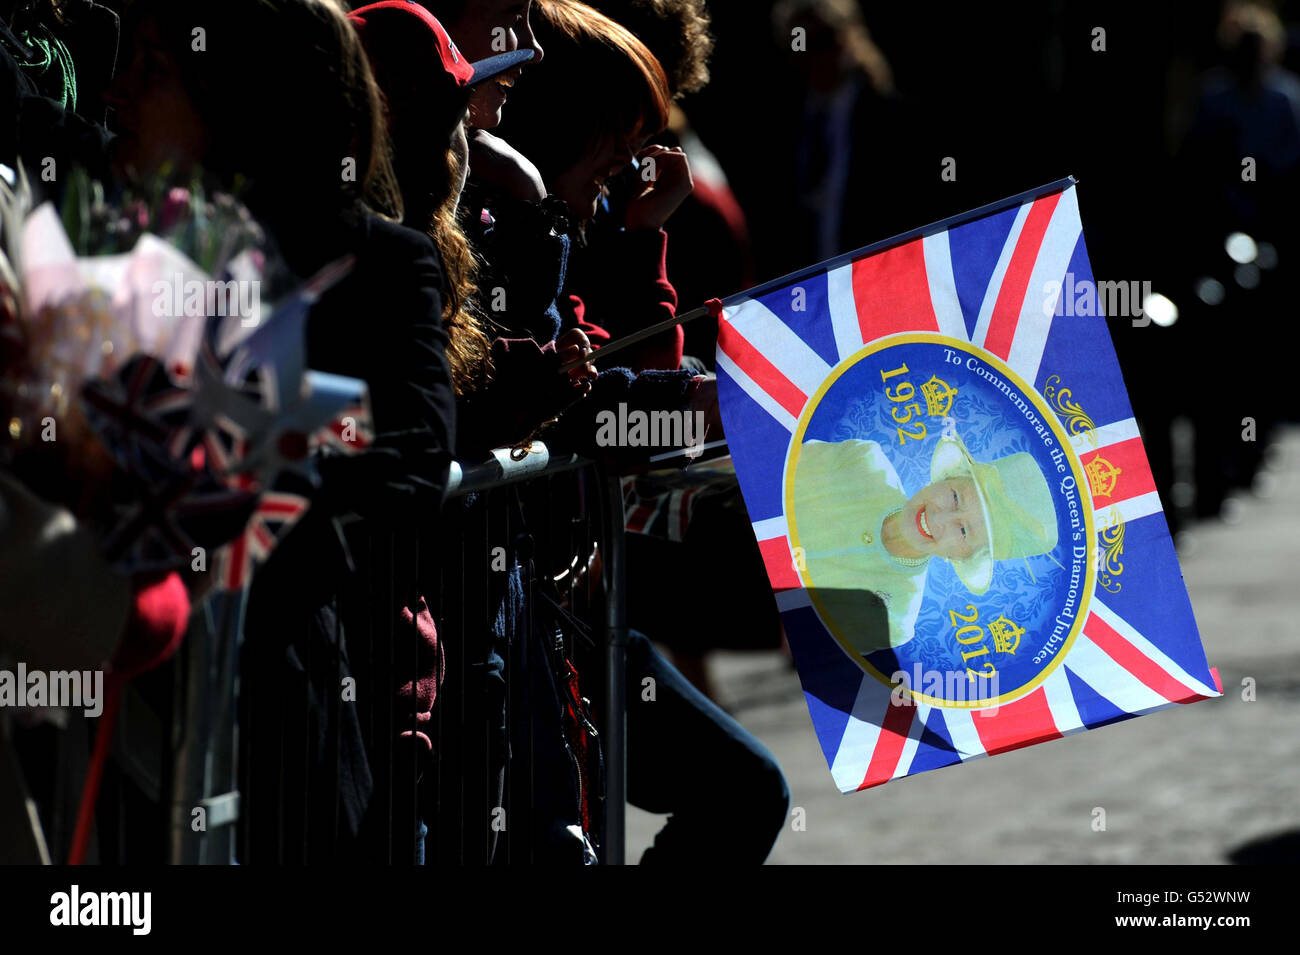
x=1185 y=785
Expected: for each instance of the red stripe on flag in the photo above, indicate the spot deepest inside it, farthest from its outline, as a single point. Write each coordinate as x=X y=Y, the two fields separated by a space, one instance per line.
x=1138 y=663
x=640 y=518
x=765 y=374
x=1011 y=297
x=1022 y=723
x=780 y=563
x=1134 y=476
x=263 y=537
x=889 y=745
x=892 y=292
x=235 y=562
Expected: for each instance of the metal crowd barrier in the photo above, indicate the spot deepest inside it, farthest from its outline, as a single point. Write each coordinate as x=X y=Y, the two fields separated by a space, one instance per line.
x=199 y=774
x=561 y=506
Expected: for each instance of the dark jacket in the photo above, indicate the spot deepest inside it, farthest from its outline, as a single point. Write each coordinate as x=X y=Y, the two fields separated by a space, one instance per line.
x=526 y=256
x=329 y=603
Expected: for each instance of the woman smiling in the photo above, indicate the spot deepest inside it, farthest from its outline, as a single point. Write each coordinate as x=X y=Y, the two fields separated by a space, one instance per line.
x=881 y=541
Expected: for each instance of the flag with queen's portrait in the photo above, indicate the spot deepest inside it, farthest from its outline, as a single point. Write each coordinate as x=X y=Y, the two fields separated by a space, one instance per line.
x=951 y=496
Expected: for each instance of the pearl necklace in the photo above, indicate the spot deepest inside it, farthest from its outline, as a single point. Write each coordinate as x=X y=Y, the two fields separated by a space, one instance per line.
x=905 y=561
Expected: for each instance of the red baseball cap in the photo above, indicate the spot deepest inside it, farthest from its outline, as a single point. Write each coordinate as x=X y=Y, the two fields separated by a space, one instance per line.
x=404 y=28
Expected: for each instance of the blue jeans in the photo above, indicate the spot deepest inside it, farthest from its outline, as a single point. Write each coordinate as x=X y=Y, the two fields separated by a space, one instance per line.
x=726 y=794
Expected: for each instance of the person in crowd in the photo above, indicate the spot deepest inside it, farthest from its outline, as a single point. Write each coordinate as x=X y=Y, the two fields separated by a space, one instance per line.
x=486 y=28
x=709 y=254
x=428 y=84
x=279 y=100
x=584 y=140
x=520 y=242
x=699 y=541
x=585 y=136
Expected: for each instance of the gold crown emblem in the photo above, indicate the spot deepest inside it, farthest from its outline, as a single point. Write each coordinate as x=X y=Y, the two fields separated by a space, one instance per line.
x=1102 y=476
x=1006 y=634
x=938 y=397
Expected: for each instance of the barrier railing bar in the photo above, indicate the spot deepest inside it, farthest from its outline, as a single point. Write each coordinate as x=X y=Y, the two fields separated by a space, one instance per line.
x=508 y=466
x=615 y=677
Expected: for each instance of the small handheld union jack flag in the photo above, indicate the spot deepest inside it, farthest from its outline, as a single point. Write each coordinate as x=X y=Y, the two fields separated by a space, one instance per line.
x=223 y=455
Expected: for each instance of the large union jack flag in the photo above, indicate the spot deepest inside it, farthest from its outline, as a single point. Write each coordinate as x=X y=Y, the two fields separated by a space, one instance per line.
x=985 y=281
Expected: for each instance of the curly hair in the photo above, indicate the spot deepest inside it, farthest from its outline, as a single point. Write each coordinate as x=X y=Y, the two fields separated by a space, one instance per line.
x=677 y=33
x=422 y=117
x=469 y=350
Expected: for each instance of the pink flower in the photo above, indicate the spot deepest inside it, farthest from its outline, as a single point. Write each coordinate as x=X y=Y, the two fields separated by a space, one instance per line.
x=175 y=207
x=137 y=213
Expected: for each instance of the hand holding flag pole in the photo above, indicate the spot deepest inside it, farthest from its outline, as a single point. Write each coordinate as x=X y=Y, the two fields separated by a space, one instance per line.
x=712 y=307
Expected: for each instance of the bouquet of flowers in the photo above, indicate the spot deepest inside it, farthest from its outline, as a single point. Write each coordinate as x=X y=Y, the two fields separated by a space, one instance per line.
x=143 y=375
x=144 y=386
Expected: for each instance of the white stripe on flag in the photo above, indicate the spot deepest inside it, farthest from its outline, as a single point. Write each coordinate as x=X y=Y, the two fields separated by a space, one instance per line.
x=913 y=742
x=961 y=728
x=1150 y=650
x=999 y=273
x=1052 y=264
x=844 y=311
x=779 y=344
x=751 y=388
x=796 y=599
x=943 y=287
x=1060 y=701
x=1107 y=434
x=861 y=733
x=1108 y=679
x=1135 y=508
x=772 y=527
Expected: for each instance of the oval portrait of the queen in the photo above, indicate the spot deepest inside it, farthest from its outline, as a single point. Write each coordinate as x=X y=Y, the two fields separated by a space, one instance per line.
x=936 y=516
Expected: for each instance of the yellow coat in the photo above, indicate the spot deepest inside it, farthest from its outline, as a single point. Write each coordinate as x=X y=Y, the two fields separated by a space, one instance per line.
x=843 y=491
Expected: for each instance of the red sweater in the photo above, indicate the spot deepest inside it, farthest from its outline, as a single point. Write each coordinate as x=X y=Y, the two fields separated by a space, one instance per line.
x=619 y=286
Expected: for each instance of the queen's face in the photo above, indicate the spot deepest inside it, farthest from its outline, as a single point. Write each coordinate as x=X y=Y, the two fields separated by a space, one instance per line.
x=945 y=519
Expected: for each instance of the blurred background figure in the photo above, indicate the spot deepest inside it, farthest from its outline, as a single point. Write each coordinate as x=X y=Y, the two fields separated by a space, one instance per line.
x=1241 y=159
x=855 y=135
